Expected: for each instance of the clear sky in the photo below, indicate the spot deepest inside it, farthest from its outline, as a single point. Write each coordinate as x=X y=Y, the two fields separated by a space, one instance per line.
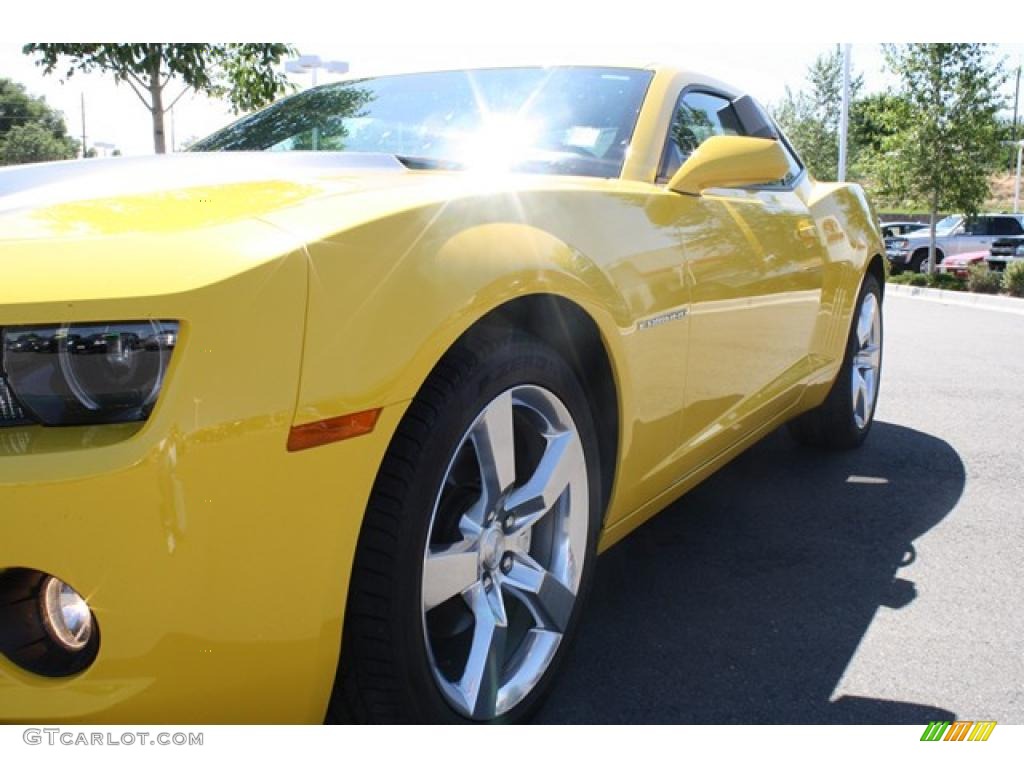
x=752 y=59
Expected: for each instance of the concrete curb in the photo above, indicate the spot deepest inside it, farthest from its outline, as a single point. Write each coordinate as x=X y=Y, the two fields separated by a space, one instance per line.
x=1009 y=304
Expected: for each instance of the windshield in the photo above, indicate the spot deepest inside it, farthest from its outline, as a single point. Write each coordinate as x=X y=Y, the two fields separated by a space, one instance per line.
x=947 y=225
x=566 y=120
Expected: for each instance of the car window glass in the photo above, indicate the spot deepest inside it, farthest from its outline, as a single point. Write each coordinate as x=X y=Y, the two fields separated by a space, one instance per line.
x=794 y=164
x=575 y=121
x=948 y=226
x=1006 y=225
x=977 y=226
x=698 y=116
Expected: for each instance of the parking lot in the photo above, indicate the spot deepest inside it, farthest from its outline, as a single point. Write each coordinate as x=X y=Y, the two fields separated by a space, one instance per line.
x=878 y=586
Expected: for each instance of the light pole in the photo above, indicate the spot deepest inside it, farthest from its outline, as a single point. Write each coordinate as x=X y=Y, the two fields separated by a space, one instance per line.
x=1016 y=183
x=844 y=112
x=311 y=63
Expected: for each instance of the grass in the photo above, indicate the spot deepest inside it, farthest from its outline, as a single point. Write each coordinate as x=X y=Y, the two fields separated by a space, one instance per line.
x=980 y=280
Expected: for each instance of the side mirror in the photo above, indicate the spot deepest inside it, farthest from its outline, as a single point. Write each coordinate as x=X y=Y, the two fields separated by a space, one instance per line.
x=730 y=161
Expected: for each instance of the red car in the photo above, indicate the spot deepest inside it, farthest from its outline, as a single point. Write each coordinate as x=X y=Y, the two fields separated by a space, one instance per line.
x=960 y=263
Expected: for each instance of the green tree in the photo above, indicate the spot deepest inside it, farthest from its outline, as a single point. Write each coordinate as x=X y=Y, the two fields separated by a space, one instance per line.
x=810 y=118
x=875 y=121
x=244 y=73
x=949 y=142
x=33 y=143
x=31 y=131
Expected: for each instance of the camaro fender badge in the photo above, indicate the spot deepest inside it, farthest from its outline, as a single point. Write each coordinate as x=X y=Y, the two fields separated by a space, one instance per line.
x=657 y=320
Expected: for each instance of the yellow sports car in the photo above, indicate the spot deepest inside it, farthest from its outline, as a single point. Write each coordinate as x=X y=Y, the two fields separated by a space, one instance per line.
x=288 y=436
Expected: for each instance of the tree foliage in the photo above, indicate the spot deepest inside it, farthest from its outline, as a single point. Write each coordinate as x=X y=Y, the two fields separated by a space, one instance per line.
x=245 y=74
x=31 y=131
x=948 y=145
x=810 y=118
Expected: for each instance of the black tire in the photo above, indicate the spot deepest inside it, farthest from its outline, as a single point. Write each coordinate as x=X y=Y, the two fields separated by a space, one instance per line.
x=920 y=259
x=384 y=673
x=832 y=425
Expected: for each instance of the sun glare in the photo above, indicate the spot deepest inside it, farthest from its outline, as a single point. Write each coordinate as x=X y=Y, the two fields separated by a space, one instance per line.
x=501 y=142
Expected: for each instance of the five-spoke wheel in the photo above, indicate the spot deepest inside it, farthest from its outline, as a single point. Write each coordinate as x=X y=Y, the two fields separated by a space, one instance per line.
x=502 y=566
x=477 y=544
x=867 y=361
x=844 y=419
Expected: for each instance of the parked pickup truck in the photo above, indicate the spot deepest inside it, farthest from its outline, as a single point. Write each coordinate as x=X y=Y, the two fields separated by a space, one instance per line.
x=953 y=235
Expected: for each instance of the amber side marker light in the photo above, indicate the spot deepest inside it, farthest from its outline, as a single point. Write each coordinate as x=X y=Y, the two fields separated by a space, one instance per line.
x=332 y=430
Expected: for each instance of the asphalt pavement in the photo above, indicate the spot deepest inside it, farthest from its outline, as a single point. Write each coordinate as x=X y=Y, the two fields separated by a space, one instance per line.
x=882 y=585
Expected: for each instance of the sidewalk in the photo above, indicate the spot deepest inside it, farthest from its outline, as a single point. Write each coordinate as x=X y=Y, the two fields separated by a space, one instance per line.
x=1008 y=304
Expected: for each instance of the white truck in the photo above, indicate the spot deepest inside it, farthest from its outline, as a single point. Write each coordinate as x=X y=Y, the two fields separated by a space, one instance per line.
x=953 y=235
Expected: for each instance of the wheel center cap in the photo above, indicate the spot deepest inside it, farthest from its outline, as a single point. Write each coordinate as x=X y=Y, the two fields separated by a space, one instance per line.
x=492 y=545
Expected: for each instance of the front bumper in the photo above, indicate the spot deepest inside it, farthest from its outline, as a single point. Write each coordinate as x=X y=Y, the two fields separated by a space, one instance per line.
x=957 y=270
x=216 y=565
x=1001 y=262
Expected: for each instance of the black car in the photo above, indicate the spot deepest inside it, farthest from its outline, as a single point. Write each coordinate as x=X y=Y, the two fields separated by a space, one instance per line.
x=1004 y=251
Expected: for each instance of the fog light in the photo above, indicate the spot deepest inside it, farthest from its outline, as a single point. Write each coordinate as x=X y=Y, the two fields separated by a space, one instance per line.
x=66 y=615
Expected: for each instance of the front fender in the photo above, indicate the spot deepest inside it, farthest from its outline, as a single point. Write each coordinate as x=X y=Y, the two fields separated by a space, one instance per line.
x=388 y=299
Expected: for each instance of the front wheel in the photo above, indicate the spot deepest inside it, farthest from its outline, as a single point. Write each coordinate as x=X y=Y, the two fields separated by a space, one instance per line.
x=919 y=262
x=845 y=418
x=478 y=543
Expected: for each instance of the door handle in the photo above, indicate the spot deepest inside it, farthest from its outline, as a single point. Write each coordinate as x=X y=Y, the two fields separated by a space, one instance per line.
x=808 y=233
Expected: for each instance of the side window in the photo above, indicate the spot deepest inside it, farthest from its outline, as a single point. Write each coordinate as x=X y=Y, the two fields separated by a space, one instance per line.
x=1006 y=225
x=978 y=226
x=698 y=116
x=795 y=166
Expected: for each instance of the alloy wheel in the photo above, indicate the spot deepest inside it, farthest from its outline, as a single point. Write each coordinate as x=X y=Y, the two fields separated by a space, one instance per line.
x=505 y=552
x=867 y=360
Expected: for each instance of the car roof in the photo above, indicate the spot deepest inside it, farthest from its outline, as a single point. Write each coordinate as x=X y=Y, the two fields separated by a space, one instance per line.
x=485 y=62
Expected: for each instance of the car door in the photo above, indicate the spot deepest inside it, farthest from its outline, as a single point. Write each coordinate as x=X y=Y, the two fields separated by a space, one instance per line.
x=754 y=261
x=975 y=235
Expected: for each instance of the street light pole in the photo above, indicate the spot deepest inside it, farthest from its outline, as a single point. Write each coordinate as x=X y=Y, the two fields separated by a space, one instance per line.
x=1016 y=103
x=844 y=112
x=83 y=125
x=1016 y=183
x=311 y=63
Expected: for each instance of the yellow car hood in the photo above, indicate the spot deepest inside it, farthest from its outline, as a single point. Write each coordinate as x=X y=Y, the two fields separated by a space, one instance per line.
x=171 y=192
x=95 y=229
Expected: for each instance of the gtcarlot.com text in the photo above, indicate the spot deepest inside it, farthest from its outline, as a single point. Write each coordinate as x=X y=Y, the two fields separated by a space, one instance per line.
x=81 y=738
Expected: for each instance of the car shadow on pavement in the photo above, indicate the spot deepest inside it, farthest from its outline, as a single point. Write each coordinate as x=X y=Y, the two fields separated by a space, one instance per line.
x=745 y=601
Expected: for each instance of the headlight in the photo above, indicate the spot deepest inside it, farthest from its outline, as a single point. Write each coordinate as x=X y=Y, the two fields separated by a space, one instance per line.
x=88 y=373
x=901 y=244
x=1020 y=250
